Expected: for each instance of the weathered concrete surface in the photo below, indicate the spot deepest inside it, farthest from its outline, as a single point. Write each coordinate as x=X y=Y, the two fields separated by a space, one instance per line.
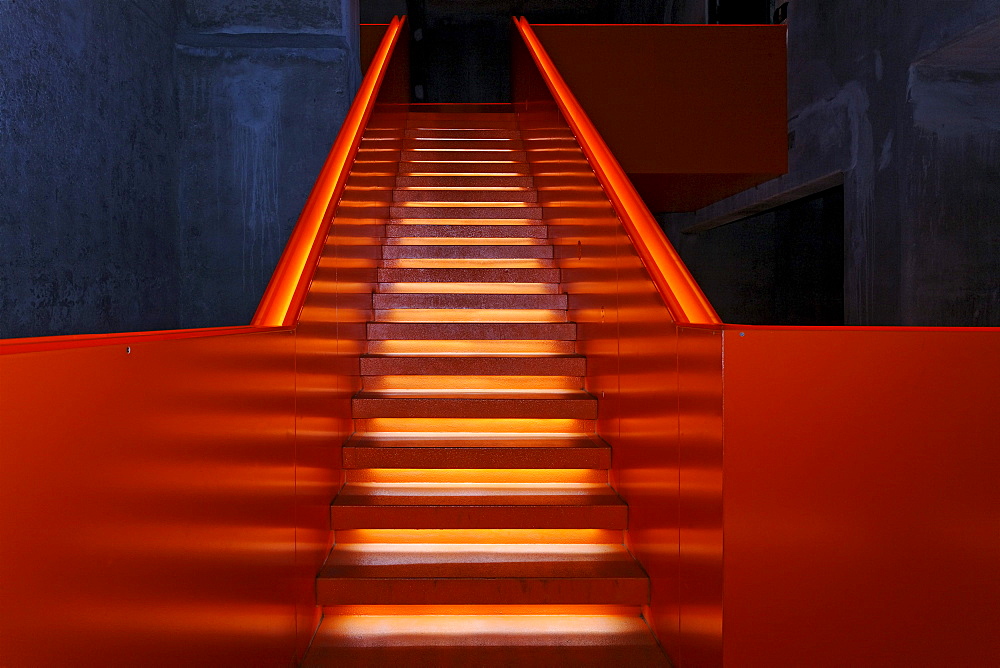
x=156 y=154
x=88 y=128
x=326 y=16
x=263 y=87
x=256 y=125
x=913 y=136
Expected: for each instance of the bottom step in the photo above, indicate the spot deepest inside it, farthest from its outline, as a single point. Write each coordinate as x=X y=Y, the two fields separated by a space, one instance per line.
x=524 y=641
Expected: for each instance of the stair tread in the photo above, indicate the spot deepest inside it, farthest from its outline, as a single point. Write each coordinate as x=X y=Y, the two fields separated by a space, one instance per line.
x=492 y=441
x=494 y=495
x=488 y=641
x=475 y=560
x=477 y=395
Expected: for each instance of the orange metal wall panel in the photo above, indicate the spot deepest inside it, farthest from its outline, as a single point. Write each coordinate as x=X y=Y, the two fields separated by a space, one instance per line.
x=862 y=512
x=692 y=113
x=147 y=504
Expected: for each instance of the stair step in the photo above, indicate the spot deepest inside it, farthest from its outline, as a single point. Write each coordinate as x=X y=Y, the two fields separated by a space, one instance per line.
x=460 y=115
x=491 y=210
x=498 y=451
x=451 y=315
x=468 y=301
x=461 y=133
x=466 y=194
x=425 y=403
x=433 y=574
x=555 y=331
x=464 y=181
x=475 y=230
x=465 y=143
x=473 y=365
x=467 y=275
x=481 y=347
x=464 y=154
x=435 y=167
x=485 y=641
x=540 y=251
x=451 y=506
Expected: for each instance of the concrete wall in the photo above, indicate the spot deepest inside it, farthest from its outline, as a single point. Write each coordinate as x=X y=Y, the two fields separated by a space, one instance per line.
x=88 y=125
x=899 y=102
x=262 y=91
x=156 y=154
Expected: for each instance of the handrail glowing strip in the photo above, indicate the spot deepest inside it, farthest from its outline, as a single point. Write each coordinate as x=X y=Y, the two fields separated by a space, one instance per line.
x=285 y=293
x=684 y=298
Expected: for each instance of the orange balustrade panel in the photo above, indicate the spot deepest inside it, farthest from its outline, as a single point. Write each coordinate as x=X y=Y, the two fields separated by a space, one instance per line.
x=148 y=503
x=861 y=497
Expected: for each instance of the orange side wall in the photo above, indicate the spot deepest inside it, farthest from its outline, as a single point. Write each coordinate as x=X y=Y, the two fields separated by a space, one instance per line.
x=862 y=505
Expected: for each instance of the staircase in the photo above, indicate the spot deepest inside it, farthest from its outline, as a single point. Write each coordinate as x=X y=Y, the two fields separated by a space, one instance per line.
x=476 y=526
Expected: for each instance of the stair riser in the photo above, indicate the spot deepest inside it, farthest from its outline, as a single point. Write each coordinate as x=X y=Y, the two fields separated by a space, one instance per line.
x=451 y=167
x=467 y=212
x=441 y=133
x=477 y=458
x=500 y=231
x=463 y=155
x=585 y=409
x=498 y=591
x=443 y=195
x=465 y=143
x=539 y=251
x=468 y=301
x=486 y=366
x=479 y=517
x=467 y=275
x=470 y=181
x=379 y=331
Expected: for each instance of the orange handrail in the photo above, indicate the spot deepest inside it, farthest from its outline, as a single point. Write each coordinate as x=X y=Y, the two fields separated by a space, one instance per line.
x=683 y=297
x=286 y=292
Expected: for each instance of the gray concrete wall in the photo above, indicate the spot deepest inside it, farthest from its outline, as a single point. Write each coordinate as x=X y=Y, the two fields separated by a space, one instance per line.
x=899 y=102
x=263 y=87
x=156 y=154
x=88 y=126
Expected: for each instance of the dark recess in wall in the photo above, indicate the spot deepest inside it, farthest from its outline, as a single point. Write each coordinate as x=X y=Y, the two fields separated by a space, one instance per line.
x=780 y=267
x=739 y=11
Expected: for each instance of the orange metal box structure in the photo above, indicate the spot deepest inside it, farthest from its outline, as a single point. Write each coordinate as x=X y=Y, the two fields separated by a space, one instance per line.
x=693 y=113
